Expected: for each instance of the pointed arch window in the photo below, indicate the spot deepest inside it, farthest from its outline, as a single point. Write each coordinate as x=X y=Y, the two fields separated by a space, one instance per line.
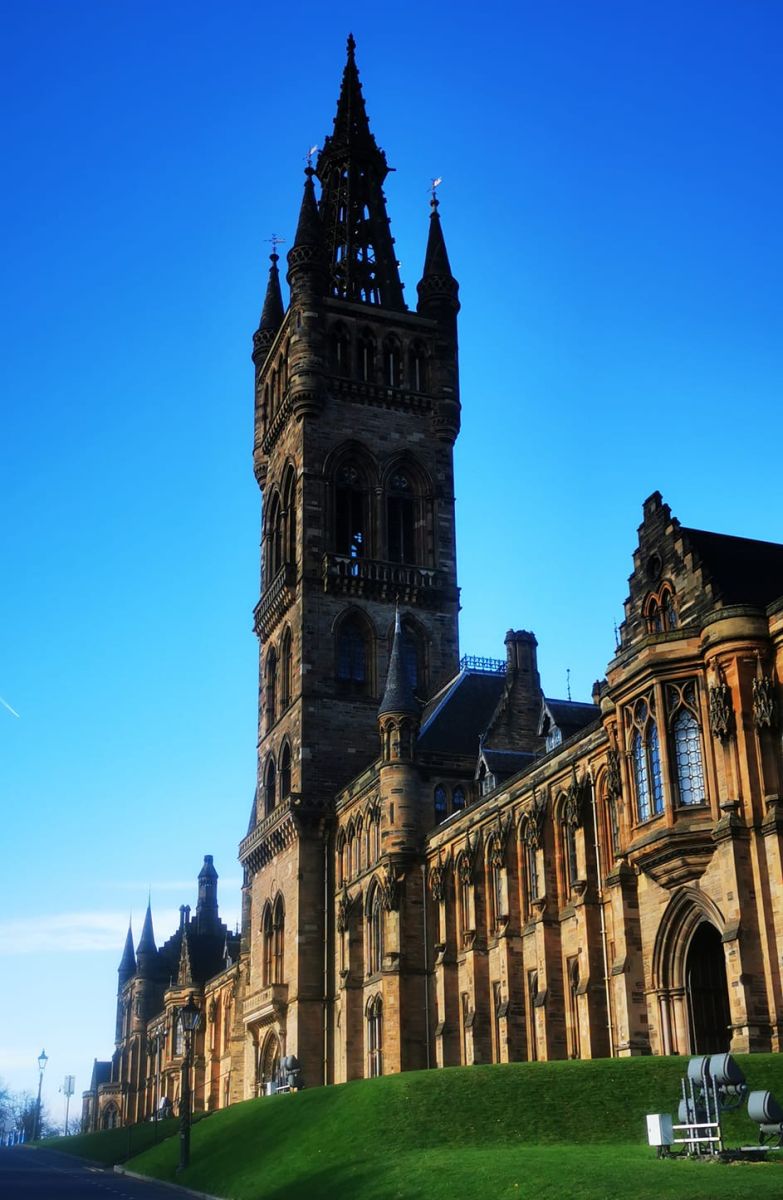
x=285 y=671
x=660 y=611
x=401 y=518
x=270 y=687
x=274 y=538
x=392 y=363
x=341 y=349
x=375 y=1037
x=646 y=759
x=342 y=874
x=351 y=508
x=288 y=551
x=570 y=856
x=530 y=855
x=439 y=797
x=352 y=654
x=270 y=786
x=375 y=837
x=375 y=932
x=495 y=898
x=267 y=940
x=366 y=356
x=457 y=799
x=417 y=367
x=278 y=941
x=285 y=772
x=686 y=740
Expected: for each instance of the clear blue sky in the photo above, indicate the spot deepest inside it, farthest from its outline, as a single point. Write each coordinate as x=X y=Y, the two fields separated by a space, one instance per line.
x=611 y=201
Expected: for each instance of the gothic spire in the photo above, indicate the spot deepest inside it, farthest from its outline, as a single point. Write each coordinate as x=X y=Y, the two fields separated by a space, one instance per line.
x=351 y=167
x=127 y=967
x=146 y=951
x=271 y=313
x=437 y=287
x=307 y=252
x=398 y=696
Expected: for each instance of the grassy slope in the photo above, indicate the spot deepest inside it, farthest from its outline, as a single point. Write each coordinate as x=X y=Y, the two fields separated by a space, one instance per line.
x=543 y=1129
x=113 y=1145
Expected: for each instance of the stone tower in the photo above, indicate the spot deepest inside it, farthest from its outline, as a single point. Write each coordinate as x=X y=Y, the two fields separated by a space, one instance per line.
x=356 y=413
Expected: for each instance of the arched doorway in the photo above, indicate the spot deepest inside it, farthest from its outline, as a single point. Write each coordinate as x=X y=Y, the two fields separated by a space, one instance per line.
x=269 y=1063
x=707 y=991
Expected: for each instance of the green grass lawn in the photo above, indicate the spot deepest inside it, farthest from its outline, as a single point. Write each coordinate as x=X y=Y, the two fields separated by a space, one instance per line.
x=565 y=1129
x=113 y=1145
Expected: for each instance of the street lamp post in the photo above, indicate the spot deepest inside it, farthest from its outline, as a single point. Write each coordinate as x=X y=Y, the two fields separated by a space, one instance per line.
x=43 y=1059
x=189 y=1018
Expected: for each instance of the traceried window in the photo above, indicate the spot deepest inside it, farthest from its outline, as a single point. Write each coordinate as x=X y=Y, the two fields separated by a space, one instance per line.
x=439 y=796
x=686 y=742
x=375 y=1037
x=270 y=786
x=285 y=772
x=278 y=941
x=660 y=611
x=375 y=933
x=350 y=512
x=646 y=759
x=352 y=656
x=401 y=519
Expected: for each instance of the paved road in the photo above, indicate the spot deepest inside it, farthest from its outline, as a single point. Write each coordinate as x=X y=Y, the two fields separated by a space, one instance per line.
x=27 y=1174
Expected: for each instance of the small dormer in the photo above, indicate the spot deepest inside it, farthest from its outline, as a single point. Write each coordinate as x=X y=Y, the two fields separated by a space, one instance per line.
x=561 y=719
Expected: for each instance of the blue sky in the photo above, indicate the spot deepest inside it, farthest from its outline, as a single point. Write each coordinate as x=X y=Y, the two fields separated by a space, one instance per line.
x=611 y=201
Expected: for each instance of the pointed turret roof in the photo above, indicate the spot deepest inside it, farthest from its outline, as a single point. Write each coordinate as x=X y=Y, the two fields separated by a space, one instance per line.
x=437 y=284
x=271 y=314
x=307 y=251
x=352 y=167
x=398 y=696
x=146 y=951
x=127 y=967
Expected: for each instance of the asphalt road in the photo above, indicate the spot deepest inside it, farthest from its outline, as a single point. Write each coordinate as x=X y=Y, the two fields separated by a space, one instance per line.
x=27 y=1174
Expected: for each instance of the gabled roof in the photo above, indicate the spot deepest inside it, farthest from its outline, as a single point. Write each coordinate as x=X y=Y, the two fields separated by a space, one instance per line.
x=569 y=716
x=455 y=718
x=744 y=571
x=505 y=763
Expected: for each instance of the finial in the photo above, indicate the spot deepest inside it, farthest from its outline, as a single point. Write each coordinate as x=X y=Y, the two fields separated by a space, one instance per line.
x=568 y=681
x=351 y=45
x=275 y=242
x=309 y=156
x=397 y=625
x=616 y=637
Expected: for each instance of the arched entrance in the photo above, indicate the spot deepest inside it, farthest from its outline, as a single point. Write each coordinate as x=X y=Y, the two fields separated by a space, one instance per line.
x=707 y=991
x=269 y=1063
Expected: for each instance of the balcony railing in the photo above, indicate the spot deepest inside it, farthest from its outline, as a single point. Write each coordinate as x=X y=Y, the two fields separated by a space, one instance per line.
x=277 y=598
x=380 y=580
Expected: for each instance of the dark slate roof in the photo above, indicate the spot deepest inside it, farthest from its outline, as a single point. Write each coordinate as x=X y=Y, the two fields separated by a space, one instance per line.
x=504 y=763
x=569 y=715
x=745 y=571
x=398 y=696
x=101 y=1073
x=455 y=718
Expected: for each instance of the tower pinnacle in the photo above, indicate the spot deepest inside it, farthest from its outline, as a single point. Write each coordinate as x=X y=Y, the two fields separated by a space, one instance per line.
x=271 y=313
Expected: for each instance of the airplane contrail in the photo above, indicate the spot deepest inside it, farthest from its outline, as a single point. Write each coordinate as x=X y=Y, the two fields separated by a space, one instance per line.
x=13 y=711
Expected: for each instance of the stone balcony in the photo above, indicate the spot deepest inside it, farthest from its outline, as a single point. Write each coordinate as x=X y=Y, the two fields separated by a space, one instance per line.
x=265 y=1005
x=276 y=600
x=378 y=580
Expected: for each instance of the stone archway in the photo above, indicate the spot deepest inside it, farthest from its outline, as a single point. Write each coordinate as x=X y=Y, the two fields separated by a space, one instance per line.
x=707 y=992
x=269 y=1063
x=688 y=1017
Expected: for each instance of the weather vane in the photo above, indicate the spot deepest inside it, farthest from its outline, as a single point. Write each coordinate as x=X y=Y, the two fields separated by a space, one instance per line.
x=434 y=184
x=309 y=156
x=276 y=241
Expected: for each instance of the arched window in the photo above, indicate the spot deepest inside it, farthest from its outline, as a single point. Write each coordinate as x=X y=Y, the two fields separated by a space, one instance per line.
x=267 y=939
x=342 y=874
x=646 y=758
x=613 y=818
x=375 y=837
x=289 y=517
x=464 y=893
x=686 y=739
x=495 y=898
x=275 y=392
x=375 y=1037
x=417 y=367
x=392 y=363
x=359 y=863
x=531 y=877
x=457 y=799
x=439 y=797
x=278 y=941
x=374 y=932
x=660 y=611
x=274 y=538
x=270 y=687
x=366 y=356
x=285 y=772
x=570 y=855
x=352 y=667
x=285 y=671
x=401 y=519
x=341 y=350
x=351 y=509
x=353 y=865
x=270 y=786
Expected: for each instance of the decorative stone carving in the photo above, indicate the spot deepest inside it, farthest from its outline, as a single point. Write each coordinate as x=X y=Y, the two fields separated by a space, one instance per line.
x=536 y=816
x=212 y=1012
x=390 y=890
x=574 y=803
x=721 y=710
x=614 y=782
x=765 y=714
x=343 y=910
x=438 y=875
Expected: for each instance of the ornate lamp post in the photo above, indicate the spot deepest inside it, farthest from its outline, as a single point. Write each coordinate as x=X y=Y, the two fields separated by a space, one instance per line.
x=189 y=1017
x=43 y=1059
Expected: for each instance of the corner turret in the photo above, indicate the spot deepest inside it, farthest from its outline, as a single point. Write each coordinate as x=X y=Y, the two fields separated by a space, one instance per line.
x=207 y=919
x=271 y=314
